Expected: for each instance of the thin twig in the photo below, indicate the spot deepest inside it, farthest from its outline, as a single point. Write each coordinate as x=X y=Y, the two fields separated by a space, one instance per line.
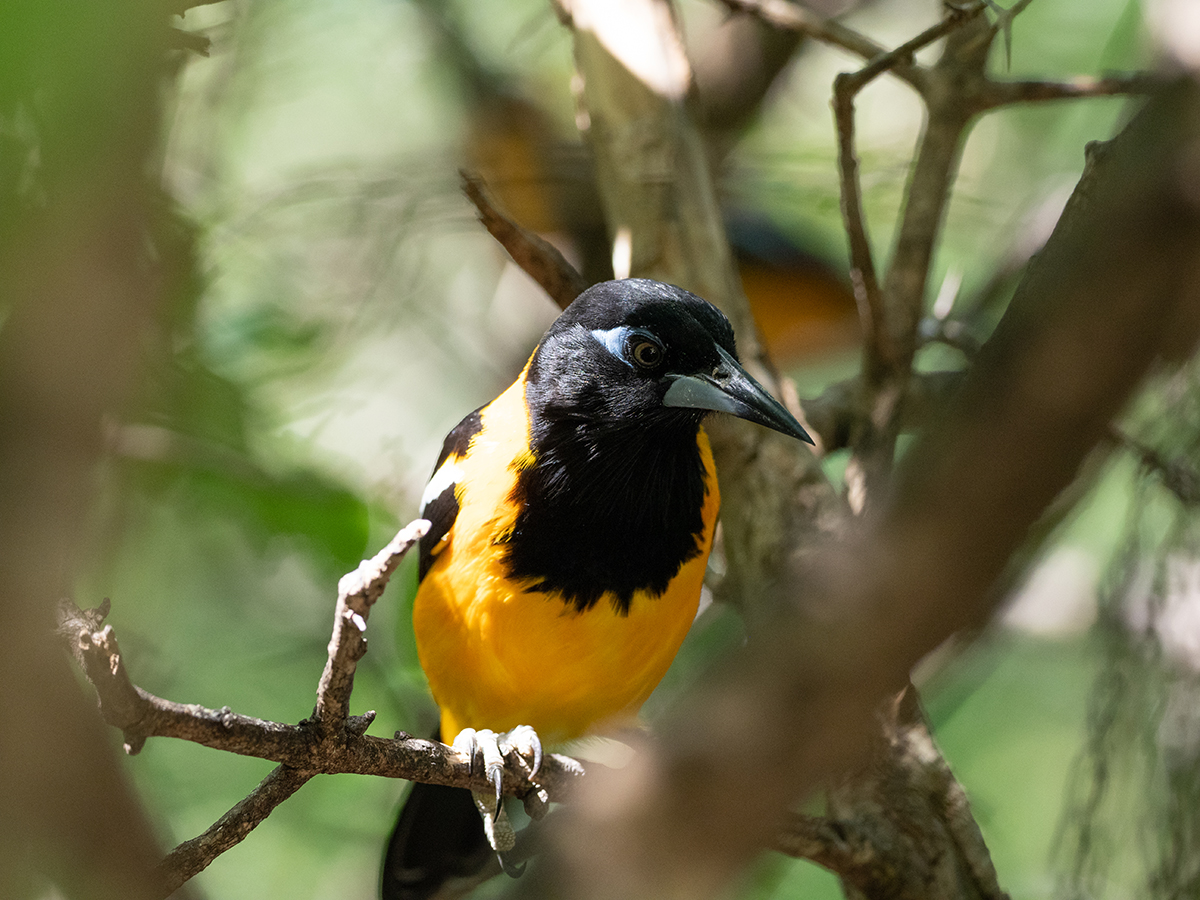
x=846 y=86
x=357 y=593
x=192 y=857
x=1006 y=93
x=888 y=61
x=537 y=257
x=790 y=16
x=896 y=307
x=889 y=345
x=862 y=264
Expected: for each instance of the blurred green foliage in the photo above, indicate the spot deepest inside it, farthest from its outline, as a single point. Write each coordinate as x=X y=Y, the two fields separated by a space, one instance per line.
x=341 y=309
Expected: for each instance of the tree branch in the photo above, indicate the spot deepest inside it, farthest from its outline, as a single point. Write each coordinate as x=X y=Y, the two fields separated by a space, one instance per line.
x=1006 y=93
x=846 y=87
x=1177 y=475
x=912 y=833
x=357 y=593
x=192 y=857
x=536 y=256
x=955 y=90
x=891 y=313
x=331 y=742
x=839 y=409
x=783 y=14
x=901 y=828
x=871 y=312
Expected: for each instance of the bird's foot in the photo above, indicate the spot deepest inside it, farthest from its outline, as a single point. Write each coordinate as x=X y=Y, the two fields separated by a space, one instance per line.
x=492 y=748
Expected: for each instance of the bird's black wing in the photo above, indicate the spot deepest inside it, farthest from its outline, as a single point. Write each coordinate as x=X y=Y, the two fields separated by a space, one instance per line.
x=439 y=505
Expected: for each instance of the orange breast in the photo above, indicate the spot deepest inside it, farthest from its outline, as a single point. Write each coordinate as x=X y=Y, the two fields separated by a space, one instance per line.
x=498 y=655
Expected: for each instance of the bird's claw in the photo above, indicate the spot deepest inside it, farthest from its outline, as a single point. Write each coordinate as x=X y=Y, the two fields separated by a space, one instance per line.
x=491 y=749
x=524 y=741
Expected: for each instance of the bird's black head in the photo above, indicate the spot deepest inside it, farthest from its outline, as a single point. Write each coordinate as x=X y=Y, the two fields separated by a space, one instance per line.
x=612 y=503
x=639 y=353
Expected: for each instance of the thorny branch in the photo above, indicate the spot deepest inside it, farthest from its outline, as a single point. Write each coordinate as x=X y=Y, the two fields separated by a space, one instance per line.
x=330 y=742
x=784 y=14
x=956 y=89
x=997 y=93
x=867 y=291
x=890 y=313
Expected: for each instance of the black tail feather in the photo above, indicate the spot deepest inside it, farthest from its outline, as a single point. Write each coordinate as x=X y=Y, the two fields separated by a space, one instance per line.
x=438 y=837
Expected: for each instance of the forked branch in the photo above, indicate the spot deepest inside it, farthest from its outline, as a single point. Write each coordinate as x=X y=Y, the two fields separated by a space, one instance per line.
x=330 y=742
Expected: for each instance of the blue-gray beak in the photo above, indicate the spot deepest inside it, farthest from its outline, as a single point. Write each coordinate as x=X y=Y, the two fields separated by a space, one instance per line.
x=730 y=389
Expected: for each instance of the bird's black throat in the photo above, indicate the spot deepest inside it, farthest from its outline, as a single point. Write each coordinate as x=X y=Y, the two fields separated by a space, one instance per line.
x=608 y=507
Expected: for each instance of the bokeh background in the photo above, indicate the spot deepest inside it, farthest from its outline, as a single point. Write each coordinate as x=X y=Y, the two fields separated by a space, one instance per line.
x=345 y=309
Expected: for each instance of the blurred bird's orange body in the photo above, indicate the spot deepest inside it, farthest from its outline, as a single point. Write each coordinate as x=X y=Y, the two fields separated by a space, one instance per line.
x=499 y=655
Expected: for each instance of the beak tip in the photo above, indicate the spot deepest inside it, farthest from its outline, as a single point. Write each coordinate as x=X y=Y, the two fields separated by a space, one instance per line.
x=732 y=390
x=791 y=428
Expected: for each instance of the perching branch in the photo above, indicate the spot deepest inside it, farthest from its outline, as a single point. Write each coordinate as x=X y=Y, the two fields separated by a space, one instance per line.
x=319 y=746
x=331 y=742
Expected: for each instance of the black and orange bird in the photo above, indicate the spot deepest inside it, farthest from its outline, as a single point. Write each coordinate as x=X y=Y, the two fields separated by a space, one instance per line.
x=571 y=523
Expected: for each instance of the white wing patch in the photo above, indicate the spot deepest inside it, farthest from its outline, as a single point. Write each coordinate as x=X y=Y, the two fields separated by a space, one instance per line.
x=445 y=477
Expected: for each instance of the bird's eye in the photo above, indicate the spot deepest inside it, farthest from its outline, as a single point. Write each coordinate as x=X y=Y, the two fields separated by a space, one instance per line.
x=646 y=354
